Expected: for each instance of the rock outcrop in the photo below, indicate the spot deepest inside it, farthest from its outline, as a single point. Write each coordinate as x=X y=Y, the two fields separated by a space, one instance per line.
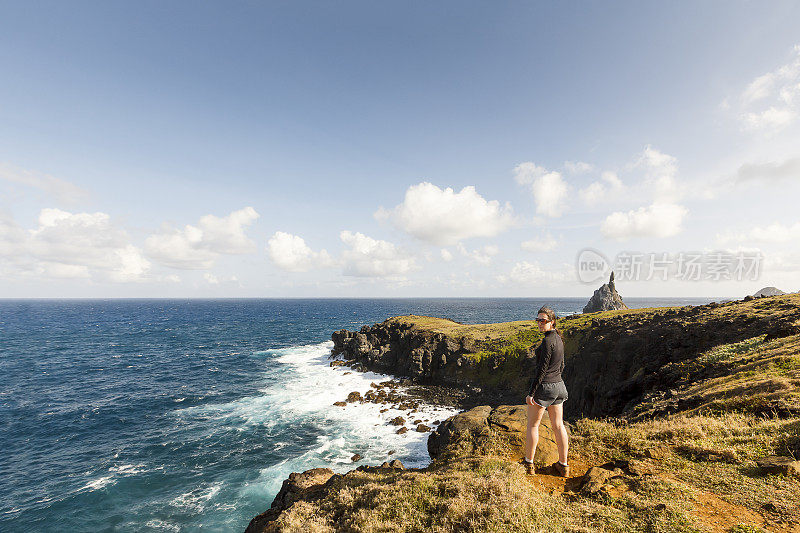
x=768 y=291
x=606 y=298
x=396 y=348
x=483 y=429
x=306 y=486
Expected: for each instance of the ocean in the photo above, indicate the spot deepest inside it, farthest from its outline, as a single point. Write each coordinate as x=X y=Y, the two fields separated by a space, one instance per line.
x=187 y=415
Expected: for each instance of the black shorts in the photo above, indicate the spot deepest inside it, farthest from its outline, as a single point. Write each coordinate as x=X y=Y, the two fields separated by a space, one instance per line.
x=547 y=394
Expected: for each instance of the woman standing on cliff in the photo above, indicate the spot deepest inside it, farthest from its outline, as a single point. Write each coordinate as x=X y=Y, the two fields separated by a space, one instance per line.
x=547 y=392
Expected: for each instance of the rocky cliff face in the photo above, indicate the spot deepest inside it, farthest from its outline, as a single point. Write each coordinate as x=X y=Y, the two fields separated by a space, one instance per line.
x=606 y=298
x=620 y=360
x=398 y=349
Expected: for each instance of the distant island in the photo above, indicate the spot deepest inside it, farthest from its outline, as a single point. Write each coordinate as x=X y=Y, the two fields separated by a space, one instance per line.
x=681 y=419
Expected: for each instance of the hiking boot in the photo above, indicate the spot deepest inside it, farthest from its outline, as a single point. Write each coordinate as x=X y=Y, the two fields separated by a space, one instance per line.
x=560 y=469
x=529 y=468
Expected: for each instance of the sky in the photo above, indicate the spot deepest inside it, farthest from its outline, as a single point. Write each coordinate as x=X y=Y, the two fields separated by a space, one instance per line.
x=398 y=149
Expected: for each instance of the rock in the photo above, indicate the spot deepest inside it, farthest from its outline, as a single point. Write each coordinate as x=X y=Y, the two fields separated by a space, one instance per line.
x=776 y=464
x=596 y=478
x=418 y=421
x=354 y=396
x=422 y=428
x=340 y=404
x=356 y=457
x=337 y=363
x=397 y=421
x=658 y=452
x=483 y=427
x=768 y=291
x=298 y=486
x=401 y=430
x=386 y=464
x=605 y=298
x=391 y=452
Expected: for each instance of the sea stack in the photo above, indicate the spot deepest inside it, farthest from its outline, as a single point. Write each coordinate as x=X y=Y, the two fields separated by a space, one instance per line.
x=768 y=291
x=606 y=298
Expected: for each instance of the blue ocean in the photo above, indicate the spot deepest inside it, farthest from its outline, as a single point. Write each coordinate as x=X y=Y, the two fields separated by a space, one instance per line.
x=186 y=415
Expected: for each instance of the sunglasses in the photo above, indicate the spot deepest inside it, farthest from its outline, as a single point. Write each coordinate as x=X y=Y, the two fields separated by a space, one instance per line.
x=542 y=320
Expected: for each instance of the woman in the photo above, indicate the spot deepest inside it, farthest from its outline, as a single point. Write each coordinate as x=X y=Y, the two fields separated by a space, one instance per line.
x=547 y=392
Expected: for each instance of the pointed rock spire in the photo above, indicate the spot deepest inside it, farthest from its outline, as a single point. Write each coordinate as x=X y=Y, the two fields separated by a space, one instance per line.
x=606 y=298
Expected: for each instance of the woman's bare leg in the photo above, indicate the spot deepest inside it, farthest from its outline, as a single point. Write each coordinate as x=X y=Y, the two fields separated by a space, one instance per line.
x=556 y=414
x=535 y=414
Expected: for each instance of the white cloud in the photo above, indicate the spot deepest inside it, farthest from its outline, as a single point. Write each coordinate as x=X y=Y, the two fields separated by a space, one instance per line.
x=656 y=220
x=444 y=217
x=446 y=255
x=290 y=252
x=61 y=190
x=775 y=232
x=548 y=188
x=368 y=257
x=578 y=167
x=526 y=273
x=198 y=247
x=598 y=191
x=72 y=245
x=772 y=101
x=544 y=243
x=660 y=170
x=479 y=255
x=788 y=169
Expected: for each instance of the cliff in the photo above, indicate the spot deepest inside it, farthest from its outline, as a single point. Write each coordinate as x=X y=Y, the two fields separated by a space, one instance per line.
x=682 y=419
x=613 y=359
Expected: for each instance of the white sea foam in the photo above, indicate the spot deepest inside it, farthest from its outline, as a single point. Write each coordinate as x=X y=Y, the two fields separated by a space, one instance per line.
x=161 y=525
x=98 y=483
x=302 y=391
x=197 y=499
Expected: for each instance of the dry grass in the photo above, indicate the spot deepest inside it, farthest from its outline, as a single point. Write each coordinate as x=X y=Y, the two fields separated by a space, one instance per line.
x=481 y=494
x=712 y=453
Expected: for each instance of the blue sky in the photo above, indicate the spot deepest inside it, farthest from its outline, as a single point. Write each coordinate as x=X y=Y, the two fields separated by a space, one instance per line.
x=306 y=148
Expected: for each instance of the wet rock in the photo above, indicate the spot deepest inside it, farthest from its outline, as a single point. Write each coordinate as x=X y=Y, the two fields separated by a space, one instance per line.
x=402 y=430
x=354 y=396
x=422 y=428
x=340 y=404
x=397 y=421
x=356 y=457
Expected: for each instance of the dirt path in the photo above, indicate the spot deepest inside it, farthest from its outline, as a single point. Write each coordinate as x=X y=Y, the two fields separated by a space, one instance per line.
x=711 y=511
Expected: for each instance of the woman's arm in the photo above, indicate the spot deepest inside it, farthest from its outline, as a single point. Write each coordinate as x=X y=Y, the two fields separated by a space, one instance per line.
x=542 y=366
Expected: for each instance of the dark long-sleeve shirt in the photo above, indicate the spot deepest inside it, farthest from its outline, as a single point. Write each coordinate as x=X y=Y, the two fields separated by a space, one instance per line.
x=549 y=361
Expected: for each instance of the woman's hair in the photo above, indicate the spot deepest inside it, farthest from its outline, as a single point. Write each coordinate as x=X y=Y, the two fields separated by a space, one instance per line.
x=551 y=315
